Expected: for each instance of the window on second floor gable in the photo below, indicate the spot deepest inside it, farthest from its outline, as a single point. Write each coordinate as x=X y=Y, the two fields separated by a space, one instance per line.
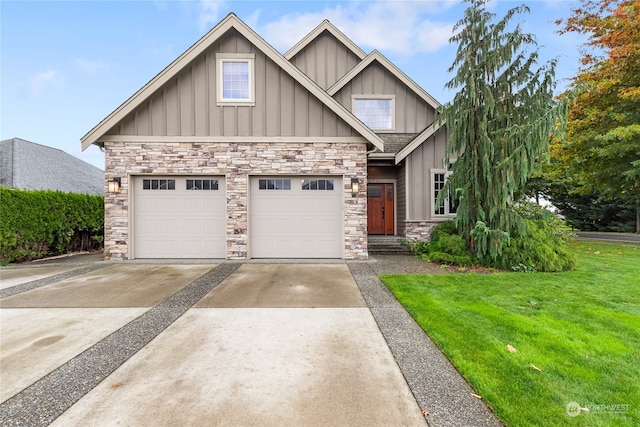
x=235 y=79
x=377 y=112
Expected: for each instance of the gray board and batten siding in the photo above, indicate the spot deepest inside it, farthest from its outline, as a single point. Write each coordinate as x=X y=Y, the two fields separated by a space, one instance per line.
x=187 y=104
x=412 y=114
x=326 y=60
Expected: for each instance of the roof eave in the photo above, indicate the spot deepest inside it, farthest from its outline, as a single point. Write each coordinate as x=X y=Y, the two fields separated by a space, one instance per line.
x=231 y=21
x=377 y=56
x=417 y=141
x=156 y=82
x=325 y=25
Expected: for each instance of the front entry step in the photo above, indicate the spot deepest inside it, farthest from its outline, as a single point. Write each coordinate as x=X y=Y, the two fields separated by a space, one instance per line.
x=387 y=245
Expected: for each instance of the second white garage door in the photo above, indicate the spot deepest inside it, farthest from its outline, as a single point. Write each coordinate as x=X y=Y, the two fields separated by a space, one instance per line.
x=296 y=217
x=179 y=217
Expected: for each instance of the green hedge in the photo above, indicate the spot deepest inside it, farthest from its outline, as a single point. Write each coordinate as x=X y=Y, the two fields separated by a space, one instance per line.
x=36 y=224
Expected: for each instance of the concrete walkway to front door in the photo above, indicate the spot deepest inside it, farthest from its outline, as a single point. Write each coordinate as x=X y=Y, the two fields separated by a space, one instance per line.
x=251 y=344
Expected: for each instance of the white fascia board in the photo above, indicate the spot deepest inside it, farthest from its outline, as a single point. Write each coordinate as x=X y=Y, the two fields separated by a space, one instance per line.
x=95 y=134
x=382 y=60
x=328 y=26
x=312 y=87
x=231 y=21
x=235 y=139
x=417 y=141
x=381 y=156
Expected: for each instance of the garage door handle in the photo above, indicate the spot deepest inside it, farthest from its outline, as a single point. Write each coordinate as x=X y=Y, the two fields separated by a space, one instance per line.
x=383 y=212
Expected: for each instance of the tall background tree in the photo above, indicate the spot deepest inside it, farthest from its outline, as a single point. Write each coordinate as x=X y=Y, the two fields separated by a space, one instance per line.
x=500 y=122
x=602 y=148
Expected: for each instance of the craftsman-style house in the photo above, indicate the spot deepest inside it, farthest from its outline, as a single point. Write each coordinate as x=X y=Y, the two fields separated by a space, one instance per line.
x=236 y=151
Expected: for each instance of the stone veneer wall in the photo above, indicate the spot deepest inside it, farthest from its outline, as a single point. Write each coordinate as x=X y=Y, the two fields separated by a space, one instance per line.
x=419 y=230
x=237 y=162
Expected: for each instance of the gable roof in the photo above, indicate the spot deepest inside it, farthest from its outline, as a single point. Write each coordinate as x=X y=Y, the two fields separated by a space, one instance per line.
x=230 y=22
x=330 y=28
x=389 y=66
x=397 y=146
x=26 y=165
x=418 y=140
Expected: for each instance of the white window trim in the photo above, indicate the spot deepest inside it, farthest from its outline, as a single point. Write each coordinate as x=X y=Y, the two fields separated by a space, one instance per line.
x=236 y=57
x=393 y=109
x=446 y=214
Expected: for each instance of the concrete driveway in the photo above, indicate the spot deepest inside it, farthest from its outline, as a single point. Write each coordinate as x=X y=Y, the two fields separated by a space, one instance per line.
x=202 y=344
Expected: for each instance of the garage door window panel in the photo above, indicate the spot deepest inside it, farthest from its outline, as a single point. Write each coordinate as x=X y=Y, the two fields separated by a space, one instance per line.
x=318 y=184
x=202 y=184
x=159 y=184
x=274 y=184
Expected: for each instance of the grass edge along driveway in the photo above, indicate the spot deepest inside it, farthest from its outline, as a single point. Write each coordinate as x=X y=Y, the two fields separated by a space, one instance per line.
x=574 y=356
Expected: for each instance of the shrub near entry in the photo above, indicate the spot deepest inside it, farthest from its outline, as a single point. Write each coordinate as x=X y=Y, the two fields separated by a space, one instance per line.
x=445 y=246
x=541 y=247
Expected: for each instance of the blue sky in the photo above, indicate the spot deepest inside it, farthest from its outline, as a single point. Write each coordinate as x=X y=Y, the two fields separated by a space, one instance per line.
x=67 y=65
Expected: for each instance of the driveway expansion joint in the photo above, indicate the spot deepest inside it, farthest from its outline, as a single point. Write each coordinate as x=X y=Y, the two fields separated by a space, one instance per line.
x=27 y=286
x=43 y=401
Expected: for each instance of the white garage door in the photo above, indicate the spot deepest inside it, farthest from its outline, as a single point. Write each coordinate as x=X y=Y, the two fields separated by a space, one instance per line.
x=179 y=217
x=296 y=217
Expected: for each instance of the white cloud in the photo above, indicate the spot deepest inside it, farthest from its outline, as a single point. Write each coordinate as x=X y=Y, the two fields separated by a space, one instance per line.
x=40 y=81
x=90 y=67
x=434 y=35
x=209 y=11
x=404 y=27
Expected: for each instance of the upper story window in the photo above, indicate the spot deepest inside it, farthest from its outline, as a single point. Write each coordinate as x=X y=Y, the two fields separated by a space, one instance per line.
x=377 y=112
x=236 y=84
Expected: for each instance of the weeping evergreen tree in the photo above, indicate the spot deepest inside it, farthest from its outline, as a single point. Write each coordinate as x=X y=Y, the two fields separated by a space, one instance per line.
x=500 y=122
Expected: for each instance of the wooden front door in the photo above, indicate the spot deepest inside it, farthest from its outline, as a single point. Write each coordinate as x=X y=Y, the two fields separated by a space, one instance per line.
x=380 y=209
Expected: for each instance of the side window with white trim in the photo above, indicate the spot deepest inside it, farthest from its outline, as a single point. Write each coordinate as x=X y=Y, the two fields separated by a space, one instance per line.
x=449 y=205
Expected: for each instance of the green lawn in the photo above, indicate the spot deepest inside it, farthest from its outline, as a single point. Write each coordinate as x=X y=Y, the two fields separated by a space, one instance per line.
x=581 y=329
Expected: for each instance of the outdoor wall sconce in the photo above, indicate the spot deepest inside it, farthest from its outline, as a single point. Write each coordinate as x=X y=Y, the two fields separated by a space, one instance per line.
x=355 y=187
x=113 y=185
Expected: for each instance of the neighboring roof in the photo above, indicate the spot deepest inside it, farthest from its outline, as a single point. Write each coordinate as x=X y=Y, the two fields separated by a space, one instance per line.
x=325 y=26
x=29 y=166
x=382 y=60
x=231 y=21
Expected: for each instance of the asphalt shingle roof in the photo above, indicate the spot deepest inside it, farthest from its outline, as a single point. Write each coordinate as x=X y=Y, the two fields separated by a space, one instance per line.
x=394 y=142
x=29 y=166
